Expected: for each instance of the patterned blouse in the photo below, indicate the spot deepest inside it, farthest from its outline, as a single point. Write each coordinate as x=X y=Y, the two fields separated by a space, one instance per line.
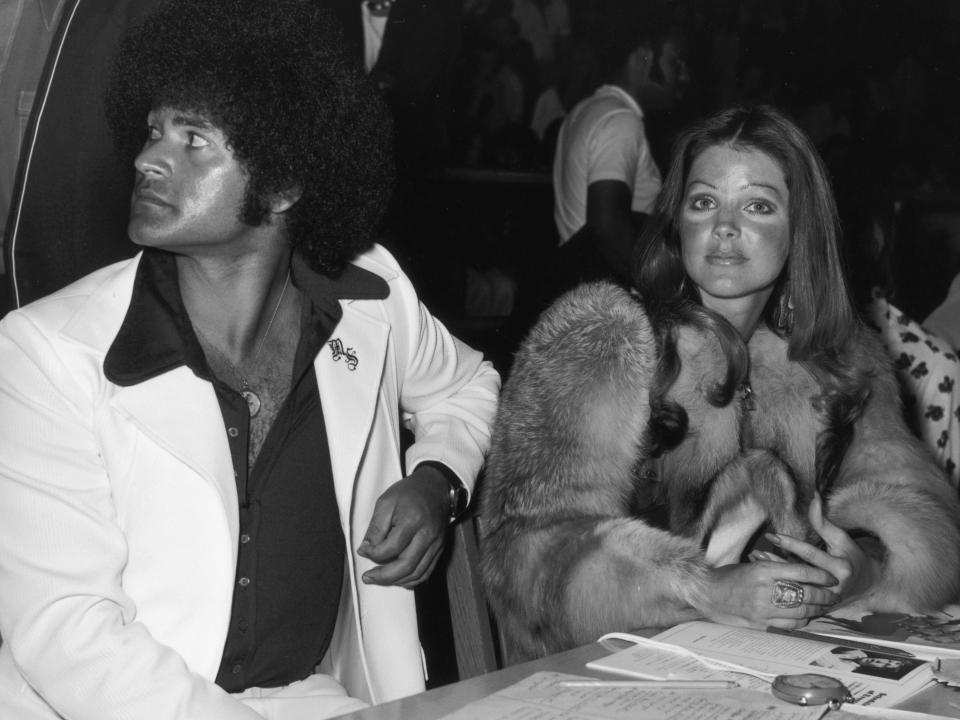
x=929 y=373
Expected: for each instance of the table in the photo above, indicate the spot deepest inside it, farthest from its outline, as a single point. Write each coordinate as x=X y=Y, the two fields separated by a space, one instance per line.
x=441 y=701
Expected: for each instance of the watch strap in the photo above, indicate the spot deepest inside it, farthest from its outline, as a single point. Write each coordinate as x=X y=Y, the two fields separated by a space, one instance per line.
x=459 y=496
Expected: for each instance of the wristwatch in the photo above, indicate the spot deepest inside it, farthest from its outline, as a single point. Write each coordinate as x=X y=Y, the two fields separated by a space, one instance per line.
x=459 y=497
x=811 y=689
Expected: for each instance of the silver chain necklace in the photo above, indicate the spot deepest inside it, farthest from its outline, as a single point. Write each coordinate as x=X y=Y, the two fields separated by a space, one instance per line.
x=246 y=389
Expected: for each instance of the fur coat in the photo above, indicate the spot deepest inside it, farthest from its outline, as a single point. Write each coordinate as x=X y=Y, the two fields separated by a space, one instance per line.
x=567 y=557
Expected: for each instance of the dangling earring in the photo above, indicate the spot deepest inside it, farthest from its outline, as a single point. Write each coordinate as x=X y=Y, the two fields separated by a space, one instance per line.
x=785 y=312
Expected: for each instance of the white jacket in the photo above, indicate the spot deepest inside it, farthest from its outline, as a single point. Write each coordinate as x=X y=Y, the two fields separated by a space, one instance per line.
x=118 y=505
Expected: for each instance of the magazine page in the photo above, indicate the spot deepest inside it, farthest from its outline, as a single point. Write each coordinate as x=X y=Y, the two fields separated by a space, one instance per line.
x=873 y=678
x=543 y=696
x=929 y=636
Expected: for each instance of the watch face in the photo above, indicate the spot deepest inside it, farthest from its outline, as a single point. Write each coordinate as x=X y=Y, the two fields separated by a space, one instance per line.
x=810 y=689
x=459 y=500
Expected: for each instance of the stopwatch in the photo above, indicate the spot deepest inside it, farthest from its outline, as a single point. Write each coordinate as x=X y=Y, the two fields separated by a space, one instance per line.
x=811 y=689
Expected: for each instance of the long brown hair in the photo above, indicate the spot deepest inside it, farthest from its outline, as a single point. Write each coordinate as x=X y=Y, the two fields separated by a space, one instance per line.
x=822 y=321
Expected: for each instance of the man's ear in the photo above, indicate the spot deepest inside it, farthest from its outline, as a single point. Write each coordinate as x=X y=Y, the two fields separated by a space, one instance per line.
x=641 y=61
x=282 y=201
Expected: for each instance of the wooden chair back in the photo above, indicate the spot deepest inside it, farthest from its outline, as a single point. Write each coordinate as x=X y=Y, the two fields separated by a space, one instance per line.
x=473 y=634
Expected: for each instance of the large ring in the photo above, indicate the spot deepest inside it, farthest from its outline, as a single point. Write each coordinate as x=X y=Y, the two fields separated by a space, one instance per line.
x=787 y=594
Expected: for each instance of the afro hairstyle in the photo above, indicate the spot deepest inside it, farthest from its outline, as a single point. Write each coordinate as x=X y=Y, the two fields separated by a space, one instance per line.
x=298 y=114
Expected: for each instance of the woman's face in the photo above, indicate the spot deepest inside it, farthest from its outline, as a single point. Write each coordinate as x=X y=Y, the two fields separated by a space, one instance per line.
x=882 y=663
x=735 y=227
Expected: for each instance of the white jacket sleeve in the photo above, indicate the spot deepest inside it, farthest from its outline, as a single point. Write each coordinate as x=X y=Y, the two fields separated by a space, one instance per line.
x=448 y=393
x=65 y=619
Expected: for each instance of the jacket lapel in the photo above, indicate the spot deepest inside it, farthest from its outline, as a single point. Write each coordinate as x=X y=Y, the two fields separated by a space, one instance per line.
x=153 y=408
x=157 y=406
x=349 y=372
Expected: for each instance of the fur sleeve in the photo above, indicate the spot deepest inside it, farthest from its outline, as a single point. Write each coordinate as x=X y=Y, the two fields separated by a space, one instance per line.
x=562 y=559
x=890 y=485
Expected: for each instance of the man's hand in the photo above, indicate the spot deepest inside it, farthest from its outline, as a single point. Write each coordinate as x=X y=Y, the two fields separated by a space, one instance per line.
x=408 y=528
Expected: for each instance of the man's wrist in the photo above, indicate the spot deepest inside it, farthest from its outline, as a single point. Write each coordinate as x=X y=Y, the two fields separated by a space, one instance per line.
x=459 y=496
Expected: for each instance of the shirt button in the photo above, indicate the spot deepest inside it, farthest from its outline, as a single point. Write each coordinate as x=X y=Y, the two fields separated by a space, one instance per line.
x=244 y=539
x=232 y=432
x=244 y=581
x=237 y=669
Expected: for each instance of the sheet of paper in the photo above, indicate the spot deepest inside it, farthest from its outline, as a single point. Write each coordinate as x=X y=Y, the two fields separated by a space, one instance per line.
x=542 y=697
x=930 y=636
x=872 y=678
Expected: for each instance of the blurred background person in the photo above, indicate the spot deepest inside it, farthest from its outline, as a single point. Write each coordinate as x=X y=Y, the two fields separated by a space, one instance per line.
x=605 y=177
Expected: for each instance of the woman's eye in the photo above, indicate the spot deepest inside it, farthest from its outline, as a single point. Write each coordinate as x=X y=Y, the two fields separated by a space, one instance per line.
x=153 y=133
x=760 y=207
x=197 y=141
x=701 y=202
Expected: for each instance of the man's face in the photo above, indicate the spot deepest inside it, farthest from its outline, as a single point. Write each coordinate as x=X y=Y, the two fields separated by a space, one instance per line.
x=189 y=190
x=671 y=71
x=664 y=78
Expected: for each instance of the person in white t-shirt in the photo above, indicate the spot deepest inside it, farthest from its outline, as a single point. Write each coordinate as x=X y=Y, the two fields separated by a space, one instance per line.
x=604 y=175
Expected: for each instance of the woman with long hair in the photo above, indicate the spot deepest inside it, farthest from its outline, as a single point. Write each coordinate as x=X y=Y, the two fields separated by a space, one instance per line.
x=724 y=442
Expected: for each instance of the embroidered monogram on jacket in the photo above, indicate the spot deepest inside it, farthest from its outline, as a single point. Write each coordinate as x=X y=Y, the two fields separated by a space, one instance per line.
x=336 y=347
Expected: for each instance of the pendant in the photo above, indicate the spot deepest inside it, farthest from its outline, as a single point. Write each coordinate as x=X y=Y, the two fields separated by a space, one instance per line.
x=253 y=401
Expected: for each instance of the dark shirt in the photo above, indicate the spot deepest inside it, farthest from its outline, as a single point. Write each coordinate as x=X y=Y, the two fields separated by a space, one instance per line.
x=291 y=545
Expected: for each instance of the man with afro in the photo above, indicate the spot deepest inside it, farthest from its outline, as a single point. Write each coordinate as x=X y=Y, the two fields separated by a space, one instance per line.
x=204 y=512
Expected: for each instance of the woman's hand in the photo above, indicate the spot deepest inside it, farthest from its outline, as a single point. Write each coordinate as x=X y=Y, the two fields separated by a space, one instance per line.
x=764 y=593
x=856 y=572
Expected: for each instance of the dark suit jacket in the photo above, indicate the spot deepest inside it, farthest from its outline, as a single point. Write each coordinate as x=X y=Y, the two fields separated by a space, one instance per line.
x=414 y=70
x=68 y=214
